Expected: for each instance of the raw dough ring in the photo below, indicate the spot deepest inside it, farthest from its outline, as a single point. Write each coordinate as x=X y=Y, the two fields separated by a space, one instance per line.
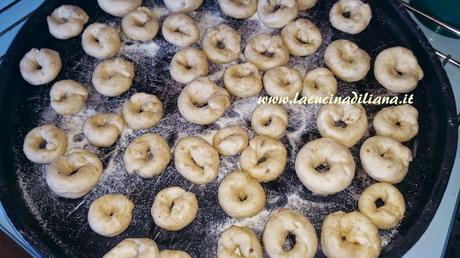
x=188 y=64
x=101 y=41
x=282 y=81
x=142 y=111
x=103 y=129
x=350 y=16
x=390 y=213
x=266 y=51
x=385 y=159
x=271 y=152
x=347 y=61
x=276 y=14
x=40 y=66
x=68 y=97
x=343 y=123
x=113 y=77
x=238 y=238
x=66 y=21
x=397 y=122
x=110 y=214
x=118 y=7
x=181 y=30
x=301 y=37
x=240 y=195
x=174 y=208
x=270 y=120
x=148 y=155
x=285 y=221
x=134 y=247
x=230 y=140
x=319 y=82
x=174 y=254
x=306 y=4
x=335 y=159
x=349 y=235
x=222 y=44
x=397 y=69
x=238 y=9
x=203 y=102
x=140 y=24
x=75 y=174
x=54 y=139
x=243 y=80
x=183 y=6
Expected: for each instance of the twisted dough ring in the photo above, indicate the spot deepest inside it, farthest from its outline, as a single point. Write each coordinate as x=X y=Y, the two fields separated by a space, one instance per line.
x=66 y=21
x=187 y=65
x=174 y=208
x=148 y=155
x=301 y=37
x=385 y=159
x=196 y=160
x=140 y=24
x=350 y=16
x=222 y=44
x=285 y=221
x=270 y=120
x=103 y=129
x=113 y=77
x=203 y=102
x=264 y=159
x=343 y=123
x=142 y=111
x=336 y=158
x=243 y=80
x=45 y=143
x=110 y=214
x=398 y=122
x=181 y=30
x=306 y=4
x=238 y=9
x=134 y=247
x=397 y=69
x=40 y=66
x=349 y=235
x=118 y=7
x=319 y=82
x=75 y=174
x=282 y=81
x=183 y=6
x=100 y=41
x=68 y=97
x=393 y=209
x=276 y=14
x=238 y=238
x=240 y=195
x=266 y=51
x=174 y=254
x=230 y=140
x=347 y=61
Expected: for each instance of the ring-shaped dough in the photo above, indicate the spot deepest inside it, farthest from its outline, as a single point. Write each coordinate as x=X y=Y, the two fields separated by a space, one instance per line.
x=319 y=82
x=188 y=64
x=350 y=16
x=238 y=9
x=66 y=21
x=270 y=120
x=243 y=80
x=301 y=37
x=282 y=81
x=135 y=248
x=141 y=24
x=266 y=51
x=103 y=129
x=113 y=77
x=276 y=14
x=118 y=7
x=174 y=254
x=183 y=6
x=306 y=4
x=222 y=44
x=68 y=97
x=230 y=140
x=45 y=143
x=40 y=66
x=239 y=242
x=100 y=41
x=397 y=122
x=181 y=30
x=142 y=111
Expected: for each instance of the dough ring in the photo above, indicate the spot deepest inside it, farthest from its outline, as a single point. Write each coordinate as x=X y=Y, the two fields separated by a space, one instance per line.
x=319 y=82
x=324 y=166
x=181 y=30
x=174 y=208
x=397 y=122
x=266 y=51
x=230 y=140
x=40 y=66
x=240 y=195
x=103 y=129
x=306 y=4
x=113 y=77
x=66 y=21
x=187 y=65
x=134 y=247
x=350 y=16
x=183 y=6
x=75 y=174
x=301 y=37
x=174 y=254
x=343 y=123
x=222 y=44
x=45 y=143
x=385 y=216
x=243 y=80
x=238 y=9
x=241 y=240
x=282 y=82
x=119 y=7
x=264 y=159
x=276 y=14
x=142 y=111
x=347 y=61
x=148 y=155
x=287 y=221
x=203 y=102
x=101 y=41
x=270 y=120
x=349 y=235
x=68 y=97
x=385 y=159
x=140 y=24
x=196 y=160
